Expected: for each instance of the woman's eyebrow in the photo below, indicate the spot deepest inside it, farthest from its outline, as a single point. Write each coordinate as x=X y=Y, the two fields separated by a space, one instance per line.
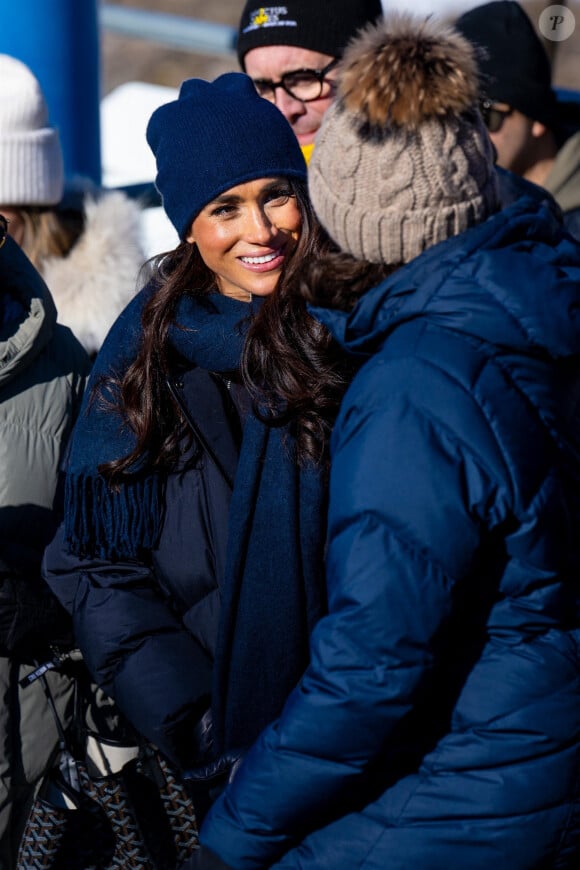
x=275 y=183
x=233 y=198
x=226 y=198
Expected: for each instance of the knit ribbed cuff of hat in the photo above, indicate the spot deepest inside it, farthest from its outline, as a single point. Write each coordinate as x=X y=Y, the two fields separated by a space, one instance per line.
x=397 y=237
x=31 y=170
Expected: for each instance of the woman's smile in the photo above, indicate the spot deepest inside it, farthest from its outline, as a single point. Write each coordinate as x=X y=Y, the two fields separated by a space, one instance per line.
x=265 y=262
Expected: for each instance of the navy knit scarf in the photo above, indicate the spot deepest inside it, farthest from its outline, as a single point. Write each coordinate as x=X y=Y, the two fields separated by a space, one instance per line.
x=111 y=524
x=273 y=591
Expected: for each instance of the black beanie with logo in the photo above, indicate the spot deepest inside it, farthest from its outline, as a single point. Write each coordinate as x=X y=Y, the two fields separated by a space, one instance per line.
x=324 y=26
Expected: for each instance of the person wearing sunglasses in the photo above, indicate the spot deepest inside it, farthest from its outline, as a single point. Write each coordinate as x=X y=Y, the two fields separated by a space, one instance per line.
x=532 y=137
x=292 y=52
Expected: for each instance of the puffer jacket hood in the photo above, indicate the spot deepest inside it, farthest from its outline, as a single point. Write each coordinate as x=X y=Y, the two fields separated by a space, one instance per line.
x=20 y=347
x=43 y=369
x=465 y=289
x=99 y=276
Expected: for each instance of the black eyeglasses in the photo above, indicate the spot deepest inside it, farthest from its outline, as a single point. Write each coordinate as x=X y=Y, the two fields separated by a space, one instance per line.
x=3 y=229
x=493 y=117
x=305 y=85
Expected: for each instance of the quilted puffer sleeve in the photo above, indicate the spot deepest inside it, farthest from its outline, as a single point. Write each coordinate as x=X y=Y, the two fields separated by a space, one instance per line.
x=135 y=646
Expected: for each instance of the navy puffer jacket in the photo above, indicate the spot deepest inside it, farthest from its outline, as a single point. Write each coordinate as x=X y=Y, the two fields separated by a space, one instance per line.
x=148 y=628
x=438 y=724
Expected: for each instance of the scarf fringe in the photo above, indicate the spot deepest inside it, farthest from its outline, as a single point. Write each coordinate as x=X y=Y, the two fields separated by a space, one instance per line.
x=107 y=524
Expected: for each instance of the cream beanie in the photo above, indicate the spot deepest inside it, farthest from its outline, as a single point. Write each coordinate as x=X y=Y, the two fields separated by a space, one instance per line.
x=403 y=160
x=31 y=165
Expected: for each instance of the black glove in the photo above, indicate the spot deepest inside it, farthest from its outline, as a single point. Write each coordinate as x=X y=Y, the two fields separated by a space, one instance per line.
x=206 y=782
x=203 y=738
x=204 y=859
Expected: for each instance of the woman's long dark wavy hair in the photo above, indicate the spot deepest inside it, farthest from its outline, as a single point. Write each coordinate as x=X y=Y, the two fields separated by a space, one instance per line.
x=294 y=370
x=142 y=395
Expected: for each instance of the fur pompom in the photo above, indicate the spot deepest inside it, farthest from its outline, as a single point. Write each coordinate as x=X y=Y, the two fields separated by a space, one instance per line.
x=405 y=70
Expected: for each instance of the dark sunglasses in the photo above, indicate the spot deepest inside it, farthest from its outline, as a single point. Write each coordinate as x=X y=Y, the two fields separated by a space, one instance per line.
x=493 y=117
x=302 y=84
x=3 y=229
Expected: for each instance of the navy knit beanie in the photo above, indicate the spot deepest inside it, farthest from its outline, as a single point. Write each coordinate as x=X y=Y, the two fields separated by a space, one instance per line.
x=514 y=66
x=214 y=136
x=323 y=26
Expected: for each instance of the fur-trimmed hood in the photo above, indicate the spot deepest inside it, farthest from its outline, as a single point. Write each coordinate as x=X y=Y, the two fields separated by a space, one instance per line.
x=96 y=280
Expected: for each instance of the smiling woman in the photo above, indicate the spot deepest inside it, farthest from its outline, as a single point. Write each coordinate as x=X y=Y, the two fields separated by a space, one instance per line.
x=164 y=563
x=246 y=235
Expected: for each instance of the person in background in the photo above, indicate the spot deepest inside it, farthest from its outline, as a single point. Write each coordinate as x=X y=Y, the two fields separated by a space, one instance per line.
x=292 y=53
x=85 y=245
x=303 y=43
x=528 y=128
x=43 y=370
x=438 y=722
x=175 y=492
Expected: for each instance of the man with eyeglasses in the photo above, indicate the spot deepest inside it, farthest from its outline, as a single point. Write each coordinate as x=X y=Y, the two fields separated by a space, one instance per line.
x=525 y=122
x=292 y=51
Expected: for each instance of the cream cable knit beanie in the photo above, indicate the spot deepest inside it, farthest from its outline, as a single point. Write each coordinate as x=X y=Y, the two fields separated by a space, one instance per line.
x=403 y=160
x=31 y=165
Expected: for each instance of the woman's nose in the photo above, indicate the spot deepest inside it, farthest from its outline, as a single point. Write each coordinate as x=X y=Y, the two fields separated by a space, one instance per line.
x=261 y=228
